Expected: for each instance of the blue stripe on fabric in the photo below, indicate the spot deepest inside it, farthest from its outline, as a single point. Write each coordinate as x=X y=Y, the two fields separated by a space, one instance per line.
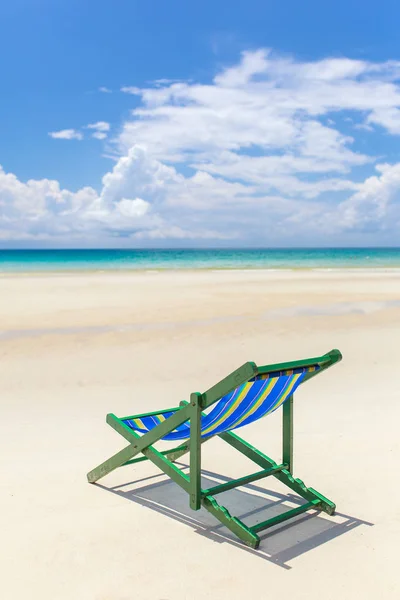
x=258 y=387
x=254 y=394
x=270 y=405
x=148 y=422
x=269 y=402
x=245 y=405
x=231 y=418
x=221 y=407
x=249 y=400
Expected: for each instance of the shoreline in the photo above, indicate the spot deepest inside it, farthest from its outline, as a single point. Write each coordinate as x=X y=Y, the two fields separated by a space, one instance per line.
x=192 y=270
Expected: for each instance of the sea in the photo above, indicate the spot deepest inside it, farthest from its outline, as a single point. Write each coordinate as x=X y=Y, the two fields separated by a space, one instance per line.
x=25 y=261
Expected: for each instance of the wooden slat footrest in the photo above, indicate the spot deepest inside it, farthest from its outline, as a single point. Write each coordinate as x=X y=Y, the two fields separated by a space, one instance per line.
x=224 y=487
x=285 y=516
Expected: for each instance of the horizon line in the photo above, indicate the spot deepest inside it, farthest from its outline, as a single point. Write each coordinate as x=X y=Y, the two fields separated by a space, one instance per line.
x=196 y=248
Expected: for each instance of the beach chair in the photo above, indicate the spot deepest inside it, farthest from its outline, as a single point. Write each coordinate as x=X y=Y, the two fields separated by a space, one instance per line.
x=243 y=397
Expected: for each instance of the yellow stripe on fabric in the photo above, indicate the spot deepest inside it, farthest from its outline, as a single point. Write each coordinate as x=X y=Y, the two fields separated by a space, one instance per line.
x=242 y=395
x=139 y=423
x=257 y=405
x=286 y=393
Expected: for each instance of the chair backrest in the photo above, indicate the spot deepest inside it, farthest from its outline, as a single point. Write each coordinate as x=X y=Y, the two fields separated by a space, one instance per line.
x=252 y=400
x=259 y=396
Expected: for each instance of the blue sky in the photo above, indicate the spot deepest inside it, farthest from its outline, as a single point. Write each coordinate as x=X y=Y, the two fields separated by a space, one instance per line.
x=215 y=123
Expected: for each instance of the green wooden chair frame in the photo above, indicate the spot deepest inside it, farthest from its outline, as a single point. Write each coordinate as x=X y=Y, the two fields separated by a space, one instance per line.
x=191 y=482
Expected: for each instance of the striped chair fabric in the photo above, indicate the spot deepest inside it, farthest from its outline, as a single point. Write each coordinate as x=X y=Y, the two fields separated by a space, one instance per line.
x=249 y=402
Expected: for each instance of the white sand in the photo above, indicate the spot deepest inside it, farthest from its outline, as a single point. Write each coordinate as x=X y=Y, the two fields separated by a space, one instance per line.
x=74 y=347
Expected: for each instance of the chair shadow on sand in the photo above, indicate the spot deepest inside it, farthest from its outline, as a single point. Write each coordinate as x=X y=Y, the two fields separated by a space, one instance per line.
x=252 y=504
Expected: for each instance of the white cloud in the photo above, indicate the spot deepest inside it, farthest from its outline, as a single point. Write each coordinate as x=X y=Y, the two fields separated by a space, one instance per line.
x=389 y=118
x=132 y=208
x=99 y=135
x=264 y=105
x=66 y=134
x=376 y=204
x=131 y=203
x=141 y=198
x=99 y=126
x=257 y=155
x=252 y=63
x=105 y=90
x=101 y=129
x=131 y=90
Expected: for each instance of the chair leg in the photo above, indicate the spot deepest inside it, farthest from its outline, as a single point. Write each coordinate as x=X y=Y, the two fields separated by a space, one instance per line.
x=119 y=459
x=232 y=523
x=195 y=452
x=287 y=433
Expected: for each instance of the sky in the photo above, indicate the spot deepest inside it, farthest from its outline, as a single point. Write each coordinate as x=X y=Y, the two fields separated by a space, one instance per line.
x=154 y=123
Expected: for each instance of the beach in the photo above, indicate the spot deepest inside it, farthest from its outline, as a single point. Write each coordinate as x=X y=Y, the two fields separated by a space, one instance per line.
x=76 y=346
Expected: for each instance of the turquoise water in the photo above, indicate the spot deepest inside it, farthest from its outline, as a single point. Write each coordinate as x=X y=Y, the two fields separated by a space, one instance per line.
x=115 y=260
